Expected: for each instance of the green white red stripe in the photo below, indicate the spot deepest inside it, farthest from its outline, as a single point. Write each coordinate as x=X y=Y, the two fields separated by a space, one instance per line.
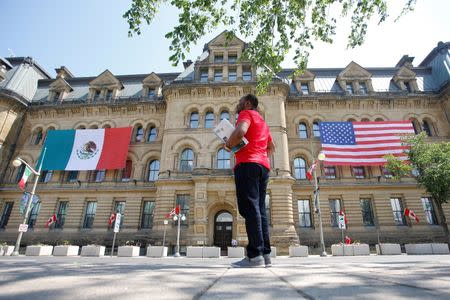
x=88 y=149
x=24 y=178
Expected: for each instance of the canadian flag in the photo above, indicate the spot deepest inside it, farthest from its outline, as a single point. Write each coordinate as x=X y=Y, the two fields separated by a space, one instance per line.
x=341 y=213
x=409 y=213
x=51 y=220
x=175 y=211
x=112 y=217
x=347 y=240
x=310 y=170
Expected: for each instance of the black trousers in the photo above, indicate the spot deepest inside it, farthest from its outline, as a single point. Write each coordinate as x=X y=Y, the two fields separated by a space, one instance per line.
x=251 y=182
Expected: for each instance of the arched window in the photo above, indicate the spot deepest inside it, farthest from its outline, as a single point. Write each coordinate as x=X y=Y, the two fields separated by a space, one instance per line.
x=153 y=170
x=152 y=134
x=193 y=121
x=93 y=127
x=224 y=115
x=316 y=129
x=365 y=120
x=351 y=120
x=416 y=125
x=209 y=119
x=299 y=168
x=106 y=126
x=379 y=120
x=81 y=127
x=426 y=127
x=302 y=131
x=223 y=159
x=187 y=160
x=139 y=134
x=38 y=136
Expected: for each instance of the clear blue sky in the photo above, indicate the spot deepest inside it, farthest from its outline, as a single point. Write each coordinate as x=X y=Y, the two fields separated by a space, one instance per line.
x=89 y=36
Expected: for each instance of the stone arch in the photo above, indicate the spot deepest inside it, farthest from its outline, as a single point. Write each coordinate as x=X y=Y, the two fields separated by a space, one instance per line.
x=350 y=116
x=213 y=209
x=187 y=142
x=191 y=108
x=95 y=123
x=54 y=125
x=79 y=124
x=380 y=116
x=111 y=123
x=300 y=152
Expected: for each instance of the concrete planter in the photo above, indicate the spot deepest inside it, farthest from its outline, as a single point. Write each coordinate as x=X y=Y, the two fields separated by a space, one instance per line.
x=156 y=251
x=93 y=250
x=439 y=248
x=298 y=251
x=273 y=251
x=337 y=250
x=194 y=252
x=8 y=250
x=236 y=252
x=361 y=249
x=388 y=249
x=418 y=249
x=128 y=251
x=211 y=252
x=66 y=250
x=39 y=250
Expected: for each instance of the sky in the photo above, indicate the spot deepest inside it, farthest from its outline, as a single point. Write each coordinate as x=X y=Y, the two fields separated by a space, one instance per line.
x=90 y=36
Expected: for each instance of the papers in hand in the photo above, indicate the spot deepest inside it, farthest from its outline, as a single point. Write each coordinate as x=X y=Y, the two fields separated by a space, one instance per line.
x=223 y=130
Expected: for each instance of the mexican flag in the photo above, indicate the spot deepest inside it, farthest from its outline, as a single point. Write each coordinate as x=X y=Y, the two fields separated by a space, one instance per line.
x=87 y=149
x=24 y=178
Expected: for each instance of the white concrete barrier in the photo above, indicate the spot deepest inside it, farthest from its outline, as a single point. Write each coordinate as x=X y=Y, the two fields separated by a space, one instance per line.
x=93 y=250
x=236 y=252
x=337 y=250
x=211 y=252
x=43 y=250
x=157 y=251
x=388 y=249
x=66 y=250
x=298 y=251
x=418 y=249
x=440 y=248
x=361 y=249
x=273 y=251
x=128 y=251
x=194 y=252
x=8 y=250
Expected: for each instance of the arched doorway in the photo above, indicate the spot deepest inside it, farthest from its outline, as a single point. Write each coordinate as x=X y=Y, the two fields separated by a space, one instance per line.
x=223 y=230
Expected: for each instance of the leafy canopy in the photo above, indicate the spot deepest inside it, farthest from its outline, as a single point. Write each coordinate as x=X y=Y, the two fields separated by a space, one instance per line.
x=431 y=162
x=273 y=27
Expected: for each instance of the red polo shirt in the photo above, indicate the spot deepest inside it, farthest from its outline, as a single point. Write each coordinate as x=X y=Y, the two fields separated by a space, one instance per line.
x=258 y=136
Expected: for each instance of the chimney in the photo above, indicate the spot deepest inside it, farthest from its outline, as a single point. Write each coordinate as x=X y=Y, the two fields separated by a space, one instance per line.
x=63 y=72
x=187 y=63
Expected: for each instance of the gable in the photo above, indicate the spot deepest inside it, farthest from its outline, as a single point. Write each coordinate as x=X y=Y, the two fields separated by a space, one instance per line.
x=60 y=84
x=354 y=71
x=306 y=75
x=106 y=79
x=404 y=73
x=152 y=79
x=221 y=41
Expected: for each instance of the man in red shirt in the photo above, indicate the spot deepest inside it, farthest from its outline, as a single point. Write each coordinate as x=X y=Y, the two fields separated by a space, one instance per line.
x=251 y=175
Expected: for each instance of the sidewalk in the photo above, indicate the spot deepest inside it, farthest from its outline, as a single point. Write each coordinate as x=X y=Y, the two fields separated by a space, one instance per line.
x=313 y=277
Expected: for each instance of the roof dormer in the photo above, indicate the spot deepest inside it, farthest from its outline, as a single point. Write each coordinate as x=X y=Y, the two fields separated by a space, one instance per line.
x=354 y=79
x=152 y=86
x=105 y=86
x=59 y=89
x=405 y=79
x=304 y=82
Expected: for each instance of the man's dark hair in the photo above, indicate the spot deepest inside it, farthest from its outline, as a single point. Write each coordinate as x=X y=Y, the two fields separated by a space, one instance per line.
x=253 y=100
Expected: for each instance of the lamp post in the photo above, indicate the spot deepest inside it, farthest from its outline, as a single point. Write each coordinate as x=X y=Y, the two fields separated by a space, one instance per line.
x=320 y=157
x=164 y=237
x=16 y=163
x=178 y=217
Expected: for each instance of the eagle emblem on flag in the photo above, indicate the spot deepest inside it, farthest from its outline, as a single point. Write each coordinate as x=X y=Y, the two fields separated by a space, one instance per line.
x=87 y=151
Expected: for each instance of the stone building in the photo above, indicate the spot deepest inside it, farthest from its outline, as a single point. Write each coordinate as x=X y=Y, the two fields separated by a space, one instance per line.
x=174 y=158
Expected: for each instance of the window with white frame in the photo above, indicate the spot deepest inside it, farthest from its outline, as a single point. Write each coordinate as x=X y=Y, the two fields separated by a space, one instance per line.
x=218 y=75
x=203 y=75
x=224 y=115
x=397 y=210
x=316 y=129
x=152 y=134
x=302 y=131
x=247 y=74
x=362 y=88
x=209 y=119
x=304 y=213
x=299 y=168
x=187 y=160
x=223 y=159
x=193 y=121
x=428 y=208
x=305 y=88
x=232 y=74
x=349 y=88
x=153 y=170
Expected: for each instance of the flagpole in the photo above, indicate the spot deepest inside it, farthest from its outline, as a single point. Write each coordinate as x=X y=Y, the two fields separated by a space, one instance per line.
x=30 y=199
x=177 y=253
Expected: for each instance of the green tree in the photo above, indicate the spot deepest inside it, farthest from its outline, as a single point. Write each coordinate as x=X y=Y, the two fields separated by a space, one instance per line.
x=431 y=162
x=273 y=27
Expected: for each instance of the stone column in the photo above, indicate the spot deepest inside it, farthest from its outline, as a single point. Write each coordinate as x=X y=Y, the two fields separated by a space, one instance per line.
x=200 y=210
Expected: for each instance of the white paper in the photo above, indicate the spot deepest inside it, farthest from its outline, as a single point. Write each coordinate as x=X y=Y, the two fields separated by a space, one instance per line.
x=223 y=130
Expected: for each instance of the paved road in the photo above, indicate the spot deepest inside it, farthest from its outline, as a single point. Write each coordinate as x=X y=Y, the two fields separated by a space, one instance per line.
x=372 y=277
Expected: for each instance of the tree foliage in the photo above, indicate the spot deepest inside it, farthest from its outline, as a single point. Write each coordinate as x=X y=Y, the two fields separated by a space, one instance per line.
x=272 y=27
x=431 y=162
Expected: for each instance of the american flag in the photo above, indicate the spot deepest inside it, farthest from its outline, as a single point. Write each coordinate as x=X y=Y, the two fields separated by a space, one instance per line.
x=363 y=143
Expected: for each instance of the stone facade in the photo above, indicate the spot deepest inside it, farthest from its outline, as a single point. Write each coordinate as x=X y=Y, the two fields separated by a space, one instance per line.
x=173 y=112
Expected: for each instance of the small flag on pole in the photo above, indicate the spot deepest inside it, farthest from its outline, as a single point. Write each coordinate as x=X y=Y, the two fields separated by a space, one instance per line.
x=348 y=240
x=310 y=170
x=51 y=220
x=24 y=178
x=112 y=218
x=175 y=211
x=409 y=213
